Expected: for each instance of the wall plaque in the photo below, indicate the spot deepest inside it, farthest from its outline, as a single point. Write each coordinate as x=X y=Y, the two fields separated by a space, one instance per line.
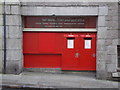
x=59 y=22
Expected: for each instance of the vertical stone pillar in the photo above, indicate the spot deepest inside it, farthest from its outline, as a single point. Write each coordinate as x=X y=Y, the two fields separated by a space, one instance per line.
x=107 y=40
x=14 y=37
x=101 y=48
x=112 y=39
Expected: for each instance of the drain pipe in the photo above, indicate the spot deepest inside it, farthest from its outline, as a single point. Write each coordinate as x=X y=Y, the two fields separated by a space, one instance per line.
x=4 y=22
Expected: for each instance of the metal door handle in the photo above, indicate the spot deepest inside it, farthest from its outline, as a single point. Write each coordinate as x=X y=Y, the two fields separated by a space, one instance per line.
x=77 y=55
x=93 y=55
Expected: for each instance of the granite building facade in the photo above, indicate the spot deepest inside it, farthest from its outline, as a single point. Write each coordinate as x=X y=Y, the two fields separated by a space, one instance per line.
x=106 y=29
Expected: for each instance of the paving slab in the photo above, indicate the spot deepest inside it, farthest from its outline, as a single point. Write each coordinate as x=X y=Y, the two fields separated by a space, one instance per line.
x=48 y=80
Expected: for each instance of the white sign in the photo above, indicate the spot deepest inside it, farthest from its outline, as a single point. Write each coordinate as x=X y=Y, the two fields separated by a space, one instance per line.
x=70 y=43
x=87 y=44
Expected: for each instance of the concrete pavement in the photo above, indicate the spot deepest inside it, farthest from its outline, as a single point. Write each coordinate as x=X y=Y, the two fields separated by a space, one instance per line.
x=47 y=80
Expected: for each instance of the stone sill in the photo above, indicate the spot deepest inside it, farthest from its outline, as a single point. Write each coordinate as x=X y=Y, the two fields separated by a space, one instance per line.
x=116 y=74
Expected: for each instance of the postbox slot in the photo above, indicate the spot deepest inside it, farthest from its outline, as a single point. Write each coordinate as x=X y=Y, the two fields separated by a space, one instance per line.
x=70 y=37
x=88 y=38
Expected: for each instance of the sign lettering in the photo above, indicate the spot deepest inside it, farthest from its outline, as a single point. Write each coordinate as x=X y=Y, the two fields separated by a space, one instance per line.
x=59 y=22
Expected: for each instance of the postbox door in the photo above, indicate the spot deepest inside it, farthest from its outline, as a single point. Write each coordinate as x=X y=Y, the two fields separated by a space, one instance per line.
x=88 y=52
x=70 y=53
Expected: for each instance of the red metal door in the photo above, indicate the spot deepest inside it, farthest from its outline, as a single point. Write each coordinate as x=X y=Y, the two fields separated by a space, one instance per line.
x=80 y=55
x=87 y=50
x=70 y=52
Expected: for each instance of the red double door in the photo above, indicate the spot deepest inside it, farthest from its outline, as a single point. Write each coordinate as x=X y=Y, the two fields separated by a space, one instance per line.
x=79 y=52
x=68 y=51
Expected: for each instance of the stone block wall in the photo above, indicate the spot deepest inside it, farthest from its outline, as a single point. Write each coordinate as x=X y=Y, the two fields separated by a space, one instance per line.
x=112 y=35
x=14 y=55
x=119 y=34
x=107 y=40
x=119 y=23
